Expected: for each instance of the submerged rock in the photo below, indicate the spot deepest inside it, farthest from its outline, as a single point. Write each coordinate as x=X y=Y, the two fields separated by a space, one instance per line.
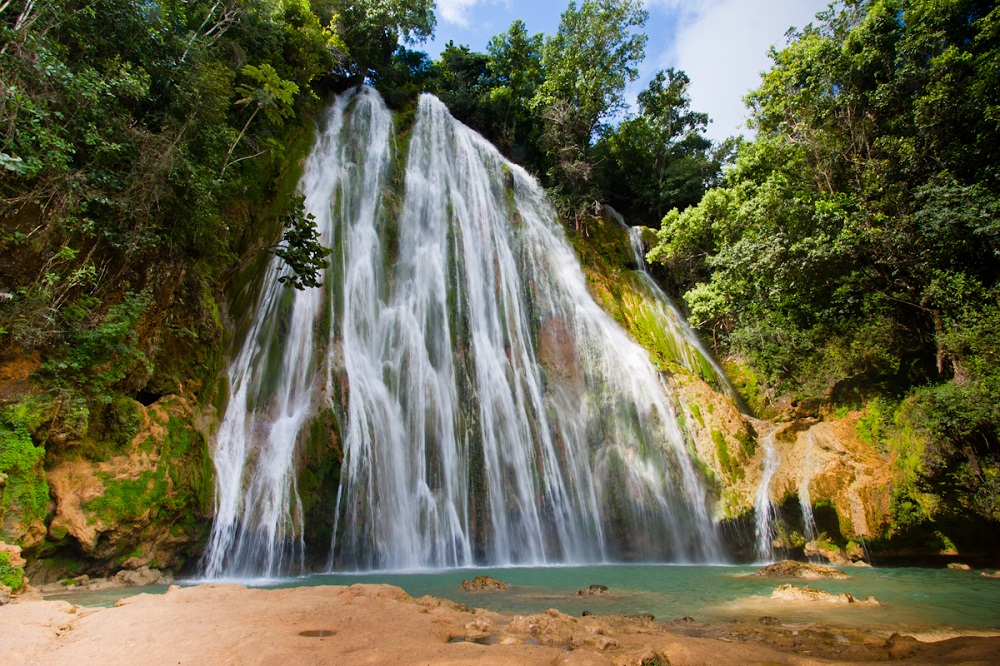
x=789 y=592
x=793 y=569
x=593 y=590
x=483 y=584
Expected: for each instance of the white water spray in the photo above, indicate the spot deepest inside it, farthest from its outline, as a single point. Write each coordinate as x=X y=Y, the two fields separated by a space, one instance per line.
x=805 y=502
x=764 y=510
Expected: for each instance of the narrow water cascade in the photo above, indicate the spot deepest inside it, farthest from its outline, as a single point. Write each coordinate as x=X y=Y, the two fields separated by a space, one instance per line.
x=490 y=411
x=274 y=389
x=764 y=509
x=687 y=346
x=805 y=502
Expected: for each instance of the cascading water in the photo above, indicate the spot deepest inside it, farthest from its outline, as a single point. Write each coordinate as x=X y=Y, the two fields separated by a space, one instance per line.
x=685 y=344
x=805 y=501
x=491 y=412
x=764 y=511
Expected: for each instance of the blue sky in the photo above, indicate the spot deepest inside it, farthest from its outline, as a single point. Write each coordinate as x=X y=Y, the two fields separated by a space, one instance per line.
x=721 y=44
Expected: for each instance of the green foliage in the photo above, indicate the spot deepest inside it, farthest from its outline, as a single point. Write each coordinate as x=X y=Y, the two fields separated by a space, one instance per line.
x=874 y=426
x=175 y=486
x=856 y=235
x=130 y=143
x=587 y=64
x=371 y=30
x=100 y=352
x=592 y=57
x=301 y=249
x=659 y=159
x=24 y=492
x=10 y=576
x=515 y=74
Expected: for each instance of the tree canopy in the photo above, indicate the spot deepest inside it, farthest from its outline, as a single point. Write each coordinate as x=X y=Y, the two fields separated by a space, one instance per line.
x=855 y=242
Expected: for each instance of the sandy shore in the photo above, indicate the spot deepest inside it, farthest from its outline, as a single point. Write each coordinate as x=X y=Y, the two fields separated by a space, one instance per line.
x=381 y=624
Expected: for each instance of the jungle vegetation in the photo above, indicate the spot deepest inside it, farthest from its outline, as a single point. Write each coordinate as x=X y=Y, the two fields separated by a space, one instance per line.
x=848 y=251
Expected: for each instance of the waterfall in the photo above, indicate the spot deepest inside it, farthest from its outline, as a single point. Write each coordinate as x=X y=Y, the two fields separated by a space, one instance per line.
x=686 y=346
x=805 y=502
x=764 y=511
x=490 y=411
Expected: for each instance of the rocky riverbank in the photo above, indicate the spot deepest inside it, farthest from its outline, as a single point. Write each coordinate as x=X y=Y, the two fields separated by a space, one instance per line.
x=228 y=624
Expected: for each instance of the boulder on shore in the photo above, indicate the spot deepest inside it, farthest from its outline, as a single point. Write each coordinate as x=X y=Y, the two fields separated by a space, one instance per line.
x=793 y=569
x=483 y=584
x=789 y=592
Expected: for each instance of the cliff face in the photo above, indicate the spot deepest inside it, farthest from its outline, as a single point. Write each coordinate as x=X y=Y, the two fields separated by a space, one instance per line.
x=106 y=431
x=84 y=499
x=823 y=474
x=824 y=471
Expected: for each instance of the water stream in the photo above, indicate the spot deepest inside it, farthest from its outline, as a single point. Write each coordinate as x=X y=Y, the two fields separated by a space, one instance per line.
x=764 y=510
x=490 y=411
x=688 y=347
x=805 y=502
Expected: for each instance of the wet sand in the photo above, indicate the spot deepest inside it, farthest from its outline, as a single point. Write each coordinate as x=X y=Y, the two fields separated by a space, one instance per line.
x=381 y=624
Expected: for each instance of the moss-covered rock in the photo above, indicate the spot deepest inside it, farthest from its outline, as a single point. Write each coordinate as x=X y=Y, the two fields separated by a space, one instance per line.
x=24 y=492
x=11 y=567
x=149 y=504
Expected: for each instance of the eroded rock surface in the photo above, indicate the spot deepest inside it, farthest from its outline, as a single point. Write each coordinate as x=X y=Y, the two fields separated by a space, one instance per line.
x=793 y=569
x=789 y=592
x=483 y=584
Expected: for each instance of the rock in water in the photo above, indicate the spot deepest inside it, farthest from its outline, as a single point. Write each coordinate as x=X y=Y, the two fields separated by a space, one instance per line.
x=959 y=566
x=483 y=584
x=593 y=590
x=793 y=569
x=805 y=593
x=995 y=574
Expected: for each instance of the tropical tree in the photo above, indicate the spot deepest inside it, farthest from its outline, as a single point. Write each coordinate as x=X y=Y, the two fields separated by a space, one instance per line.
x=857 y=244
x=373 y=29
x=660 y=158
x=587 y=65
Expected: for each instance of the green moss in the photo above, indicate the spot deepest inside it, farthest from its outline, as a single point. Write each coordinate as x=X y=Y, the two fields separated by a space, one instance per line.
x=721 y=450
x=748 y=443
x=11 y=576
x=319 y=478
x=875 y=424
x=748 y=385
x=696 y=412
x=722 y=453
x=24 y=491
x=171 y=494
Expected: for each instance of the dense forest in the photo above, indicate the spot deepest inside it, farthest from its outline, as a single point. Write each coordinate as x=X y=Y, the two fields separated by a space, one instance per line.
x=848 y=252
x=853 y=250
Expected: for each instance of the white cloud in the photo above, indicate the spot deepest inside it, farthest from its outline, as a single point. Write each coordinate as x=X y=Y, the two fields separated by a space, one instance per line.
x=723 y=45
x=456 y=11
